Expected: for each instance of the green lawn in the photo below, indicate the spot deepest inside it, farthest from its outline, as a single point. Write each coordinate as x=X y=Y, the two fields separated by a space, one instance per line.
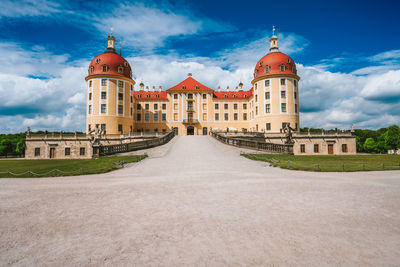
x=331 y=163
x=63 y=167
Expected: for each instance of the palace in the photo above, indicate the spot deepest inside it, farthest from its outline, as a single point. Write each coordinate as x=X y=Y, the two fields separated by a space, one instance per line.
x=121 y=117
x=190 y=107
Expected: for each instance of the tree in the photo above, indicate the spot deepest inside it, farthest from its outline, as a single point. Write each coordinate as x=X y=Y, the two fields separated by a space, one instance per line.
x=392 y=138
x=369 y=145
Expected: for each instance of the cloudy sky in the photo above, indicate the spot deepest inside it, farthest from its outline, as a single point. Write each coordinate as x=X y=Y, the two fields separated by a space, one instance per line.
x=347 y=53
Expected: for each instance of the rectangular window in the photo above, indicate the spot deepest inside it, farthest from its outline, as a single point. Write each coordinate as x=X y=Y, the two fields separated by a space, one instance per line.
x=120 y=109
x=103 y=108
x=295 y=95
x=131 y=99
x=82 y=151
x=104 y=82
x=120 y=84
x=267 y=96
x=204 y=96
x=164 y=117
x=316 y=148
x=216 y=106
x=295 y=83
x=245 y=116
x=295 y=108
x=266 y=83
x=283 y=106
x=226 y=116
x=37 y=151
x=147 y=106
x=155 y=106
x=283 y=94
x=120 y=96
x=175 y=106
x=103 y=95
x=204 y=116
x=90 y=83
x=302 y=148
x=235 y=116
x=103 y=127
x=67 y=151
x=164 y=106
x=268 y=126
x=131 y=111
x=282 y=81
x=190 y=96
x=234 y=106
x=89 y=127
x=90 y=96
x=267 y=108
x=138 y=117
x=244 y=106
x=90 y=109
x=217 y=116
x=120 y=128
x=344 y=148
x=147 y=117
x=225 y=106
x=204 y=106
x=138 y=107
x=155 y=116
x=175 y=96
x=175 y=116
x=256 y=111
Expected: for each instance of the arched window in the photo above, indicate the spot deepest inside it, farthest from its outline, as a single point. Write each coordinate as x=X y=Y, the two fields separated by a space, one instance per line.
x=97 y=60
x=245 y=96
x=90 y=83
x=148 y=96
x=288 y=60
x=104 y=68
x=156 y=96
x=234 y=96
x=197 y=87
x=283 y=68
x=183 y=87
x=91 y=69
x=139 y=96
x=267 y=69
x=255 y=73
x=225 y=96
x=120 y=69
x=260 y=64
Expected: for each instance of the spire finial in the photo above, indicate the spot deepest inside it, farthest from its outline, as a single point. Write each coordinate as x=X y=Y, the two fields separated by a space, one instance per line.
x=273 y=29
x=111 y=30
x=273 y=41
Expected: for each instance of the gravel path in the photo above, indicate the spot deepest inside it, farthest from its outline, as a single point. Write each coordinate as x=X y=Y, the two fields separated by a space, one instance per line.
x=195 y=201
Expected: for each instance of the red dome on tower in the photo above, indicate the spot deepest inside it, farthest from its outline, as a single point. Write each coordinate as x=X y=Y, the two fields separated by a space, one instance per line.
x=110 y=63
x=275 y=63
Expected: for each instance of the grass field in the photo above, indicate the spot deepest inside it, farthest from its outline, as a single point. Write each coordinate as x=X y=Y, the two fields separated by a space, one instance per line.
x=63 y=167
x=330 y=163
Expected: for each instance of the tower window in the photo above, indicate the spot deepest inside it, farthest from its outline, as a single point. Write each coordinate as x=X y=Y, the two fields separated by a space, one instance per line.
x=256 y=73
x=267 y=95
x=295 y=95
x=90 y=96
x=295 y=83
x=120 y=96
x=103 y=95
x=268 y=108
x=266 y=83
x=283 y=107
x=120 y=84
x=90 y=83
x=255 y=86
x=103 y=108
x=104 y=68
x=104 y=82
x=266 y=69
x=283 y=67
x=97 y=60
x=288 y=60
x=260 y=64
x=282 y=81
x=283 y=94
x=91 y=69
x=126 y=64
x=90 y=109
x=120 y=69
x=295 y=108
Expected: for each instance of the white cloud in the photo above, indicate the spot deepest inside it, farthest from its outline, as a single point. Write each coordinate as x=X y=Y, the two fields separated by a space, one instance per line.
x=28 y=8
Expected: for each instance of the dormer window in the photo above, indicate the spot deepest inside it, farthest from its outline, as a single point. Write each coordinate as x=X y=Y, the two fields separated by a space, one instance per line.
x=104 y=68
x=183 y=87
x=260 y=64
x=197 y=87
x=98 y=61
x=148 y=96
x=126 y=64
x=120 y=69
x=91 y=69
x=266 y=69
x=255 y=73
x=288 y=61
x=139 y=96
x=234 y=96
x=156 y=96
x=294 y=69
x=245 y=96
x=225 y=96
x=283 y=68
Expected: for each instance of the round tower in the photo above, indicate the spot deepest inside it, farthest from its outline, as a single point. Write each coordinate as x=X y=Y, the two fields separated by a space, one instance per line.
x=276 y=91
x=110 y=93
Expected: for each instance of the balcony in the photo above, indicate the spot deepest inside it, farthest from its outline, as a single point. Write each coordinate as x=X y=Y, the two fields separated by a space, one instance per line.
x=190 y=121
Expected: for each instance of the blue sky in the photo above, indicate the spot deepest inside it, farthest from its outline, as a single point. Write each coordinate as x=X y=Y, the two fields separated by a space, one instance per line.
x=347 y=52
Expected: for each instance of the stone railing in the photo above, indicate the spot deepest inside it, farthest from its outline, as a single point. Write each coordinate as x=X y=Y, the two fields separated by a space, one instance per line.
x=119 y=148
x=263 y=146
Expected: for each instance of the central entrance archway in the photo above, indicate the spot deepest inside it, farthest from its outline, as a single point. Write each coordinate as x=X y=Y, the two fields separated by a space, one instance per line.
x=204 y=130
x=190 y=130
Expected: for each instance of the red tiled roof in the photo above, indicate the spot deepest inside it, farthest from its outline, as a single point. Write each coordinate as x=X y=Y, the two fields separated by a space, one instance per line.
x=274 y=60
x=190 y=84
x=113 y=62
x=233 y=95
x=149 y=95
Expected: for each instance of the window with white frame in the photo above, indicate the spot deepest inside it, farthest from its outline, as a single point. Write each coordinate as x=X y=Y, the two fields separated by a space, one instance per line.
x=104 y=82
x=267 y=108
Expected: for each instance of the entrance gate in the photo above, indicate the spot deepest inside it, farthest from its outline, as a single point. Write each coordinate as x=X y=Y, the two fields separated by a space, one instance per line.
x=190 y=130
x=204 y=130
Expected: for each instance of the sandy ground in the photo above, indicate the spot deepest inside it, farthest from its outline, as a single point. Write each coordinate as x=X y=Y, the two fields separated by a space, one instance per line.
x=196 y=202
